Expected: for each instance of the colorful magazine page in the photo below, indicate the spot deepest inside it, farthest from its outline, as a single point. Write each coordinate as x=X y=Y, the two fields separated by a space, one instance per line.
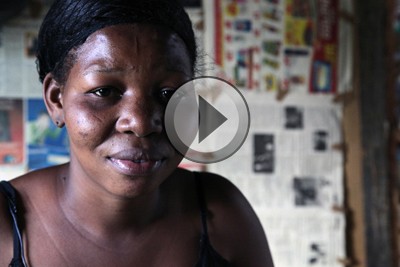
x=47 y=144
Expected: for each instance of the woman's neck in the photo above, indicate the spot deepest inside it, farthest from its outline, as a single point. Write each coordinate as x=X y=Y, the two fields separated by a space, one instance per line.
x=100 y=214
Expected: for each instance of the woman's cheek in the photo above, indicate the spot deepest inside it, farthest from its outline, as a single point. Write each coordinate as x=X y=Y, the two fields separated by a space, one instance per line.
x=86 y=128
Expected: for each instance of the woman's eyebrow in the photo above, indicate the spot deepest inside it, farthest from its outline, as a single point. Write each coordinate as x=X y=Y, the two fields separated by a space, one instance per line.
x=98 y=68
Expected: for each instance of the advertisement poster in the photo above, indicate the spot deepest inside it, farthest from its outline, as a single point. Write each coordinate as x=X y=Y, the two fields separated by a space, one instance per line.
x=235 y=41
x=275 y=45
x=11 y=131
x=47 y=144
x=299 y=23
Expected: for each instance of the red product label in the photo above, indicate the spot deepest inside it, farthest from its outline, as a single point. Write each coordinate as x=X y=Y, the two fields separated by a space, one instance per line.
x=325 y=47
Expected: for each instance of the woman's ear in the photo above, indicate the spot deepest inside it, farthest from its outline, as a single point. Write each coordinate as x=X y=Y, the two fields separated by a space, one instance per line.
x=53 y=98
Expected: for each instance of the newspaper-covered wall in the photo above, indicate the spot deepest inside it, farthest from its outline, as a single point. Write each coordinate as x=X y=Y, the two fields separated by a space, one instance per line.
x=290 y=166
x=18 y=82
x=289 y=58
x=39 y=142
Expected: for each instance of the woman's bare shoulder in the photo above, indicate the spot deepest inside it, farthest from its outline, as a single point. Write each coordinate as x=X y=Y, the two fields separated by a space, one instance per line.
x=33 y=180
x=6 y=220
x=221 y=192
x=235 y=229
x=28 y=188
x=35 y=187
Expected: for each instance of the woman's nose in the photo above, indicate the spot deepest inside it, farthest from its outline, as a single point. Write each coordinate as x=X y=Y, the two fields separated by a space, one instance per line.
x=140 y=116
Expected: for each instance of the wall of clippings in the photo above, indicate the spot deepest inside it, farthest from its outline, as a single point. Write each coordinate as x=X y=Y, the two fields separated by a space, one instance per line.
x=290 y=58
x=28 y=138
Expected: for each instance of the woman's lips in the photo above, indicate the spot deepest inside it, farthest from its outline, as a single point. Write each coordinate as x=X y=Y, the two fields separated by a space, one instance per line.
x=134 y=168
x=135 y=163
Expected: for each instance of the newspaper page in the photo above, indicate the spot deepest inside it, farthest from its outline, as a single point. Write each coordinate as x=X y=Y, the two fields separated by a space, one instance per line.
x=18 y=75
x=291 y=171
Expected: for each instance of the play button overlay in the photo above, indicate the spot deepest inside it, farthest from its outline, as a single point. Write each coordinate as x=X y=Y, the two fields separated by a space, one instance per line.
x=207 y=120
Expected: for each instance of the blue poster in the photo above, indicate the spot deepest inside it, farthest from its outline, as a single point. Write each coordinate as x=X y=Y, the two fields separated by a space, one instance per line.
x=47 y=144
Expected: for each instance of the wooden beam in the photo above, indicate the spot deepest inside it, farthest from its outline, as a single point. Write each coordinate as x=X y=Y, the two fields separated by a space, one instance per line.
x=371 y=24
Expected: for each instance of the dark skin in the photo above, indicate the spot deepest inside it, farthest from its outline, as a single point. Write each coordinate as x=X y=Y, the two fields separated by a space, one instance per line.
x=121 y=201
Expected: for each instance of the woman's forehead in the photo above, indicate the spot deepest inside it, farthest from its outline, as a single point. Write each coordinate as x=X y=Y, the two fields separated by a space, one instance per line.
x=114 y=46
x=148 y=31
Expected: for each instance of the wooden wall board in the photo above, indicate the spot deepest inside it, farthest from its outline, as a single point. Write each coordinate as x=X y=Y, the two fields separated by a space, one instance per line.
x=372 y=80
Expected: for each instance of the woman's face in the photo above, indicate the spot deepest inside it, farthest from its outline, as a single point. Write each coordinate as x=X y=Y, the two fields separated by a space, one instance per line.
x=113 y=105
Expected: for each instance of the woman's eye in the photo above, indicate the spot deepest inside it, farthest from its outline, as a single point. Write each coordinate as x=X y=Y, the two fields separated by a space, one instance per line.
x=106 y=92
x=166 y=94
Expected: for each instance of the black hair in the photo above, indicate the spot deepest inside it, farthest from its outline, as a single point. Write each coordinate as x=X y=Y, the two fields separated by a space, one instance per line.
x=69 y=23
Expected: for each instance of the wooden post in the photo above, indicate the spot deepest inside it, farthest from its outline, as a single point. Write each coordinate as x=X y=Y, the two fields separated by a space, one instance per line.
x=371 y=30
